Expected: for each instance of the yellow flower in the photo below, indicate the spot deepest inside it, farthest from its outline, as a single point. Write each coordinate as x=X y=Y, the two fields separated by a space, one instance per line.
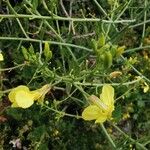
x=102 y=108
x=145 y=87
x=22 y=97
x=1 y=57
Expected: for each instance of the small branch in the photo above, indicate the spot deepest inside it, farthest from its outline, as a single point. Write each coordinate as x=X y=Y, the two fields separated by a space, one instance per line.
x=66 y=19
x=101 y=84
x=108 y=136
x=51 y=42
x=128 y=137
x=12 y=68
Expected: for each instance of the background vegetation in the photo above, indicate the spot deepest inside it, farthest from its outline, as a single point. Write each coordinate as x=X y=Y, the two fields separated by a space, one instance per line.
x=70 y=26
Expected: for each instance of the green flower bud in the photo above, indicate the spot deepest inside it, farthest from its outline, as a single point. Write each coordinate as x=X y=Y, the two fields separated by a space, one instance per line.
x=31 y=50
x=101 y=41
x=47 y=52
x=107 y=59
x=25 y=53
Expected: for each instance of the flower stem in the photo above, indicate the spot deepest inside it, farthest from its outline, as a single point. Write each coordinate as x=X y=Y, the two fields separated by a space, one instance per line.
x=64 y=18
x=141 y=146
x=108 y=136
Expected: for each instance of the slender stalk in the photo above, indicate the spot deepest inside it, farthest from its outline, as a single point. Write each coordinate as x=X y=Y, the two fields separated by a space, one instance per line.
x=139 y=73
x=65 y=19
x=12 y=68
x=137 y=49
x=61 y=112
x=104 y=12
x=17 y=19
x=144 y=25
x=50 y=42
x=67 y=44
x=113 y=84
x=108 y=136
x=128 y=137
x=140 y=24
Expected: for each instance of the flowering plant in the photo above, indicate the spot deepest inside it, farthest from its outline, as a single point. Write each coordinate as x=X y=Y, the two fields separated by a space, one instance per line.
x=101 y=108
x=22 y=97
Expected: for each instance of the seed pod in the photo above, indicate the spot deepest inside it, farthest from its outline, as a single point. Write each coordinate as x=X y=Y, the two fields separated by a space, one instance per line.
x=47 y=52
x=25 y=53
x=107 y=59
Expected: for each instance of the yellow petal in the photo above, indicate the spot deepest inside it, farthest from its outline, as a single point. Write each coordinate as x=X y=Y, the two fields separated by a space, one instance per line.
x=91 y=112
x=13 y=92
x=145 y=87
x=24 y=99
x=35 y=94
x=1 y=57
x=14 y=104
x=107 y=96
x=40 y=93
x=101 y=119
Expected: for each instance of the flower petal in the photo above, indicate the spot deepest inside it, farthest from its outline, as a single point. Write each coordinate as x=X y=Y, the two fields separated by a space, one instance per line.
x=1 y=57
x=101 y=119
x=107 y=96
x=13 y=92
x=24 y=99
x=39 y=94
x=91 y=112
x=14 y=104
x=35 y=94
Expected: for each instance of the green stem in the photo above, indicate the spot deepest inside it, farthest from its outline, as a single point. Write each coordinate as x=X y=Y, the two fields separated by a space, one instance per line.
x=15 y=13
x=144 y=25
x=139 y=73
x=50 y=42
x=11 y=68
x=65 y=18
x=61 y=112
x=113 y=84
x=128 y=137
x=104 y=12
x=108 y=136
x=67 y=79
x=137 y=49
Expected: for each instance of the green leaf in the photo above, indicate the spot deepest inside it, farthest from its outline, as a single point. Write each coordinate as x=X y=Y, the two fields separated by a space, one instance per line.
x=37 y=133
x=15 y=113
x=43 y=147
x=117 y=113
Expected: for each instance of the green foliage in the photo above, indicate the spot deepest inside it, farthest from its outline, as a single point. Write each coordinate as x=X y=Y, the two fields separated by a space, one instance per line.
x=75 y=46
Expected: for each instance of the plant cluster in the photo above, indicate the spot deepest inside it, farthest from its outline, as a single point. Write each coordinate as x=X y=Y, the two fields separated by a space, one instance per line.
x=74 y=74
